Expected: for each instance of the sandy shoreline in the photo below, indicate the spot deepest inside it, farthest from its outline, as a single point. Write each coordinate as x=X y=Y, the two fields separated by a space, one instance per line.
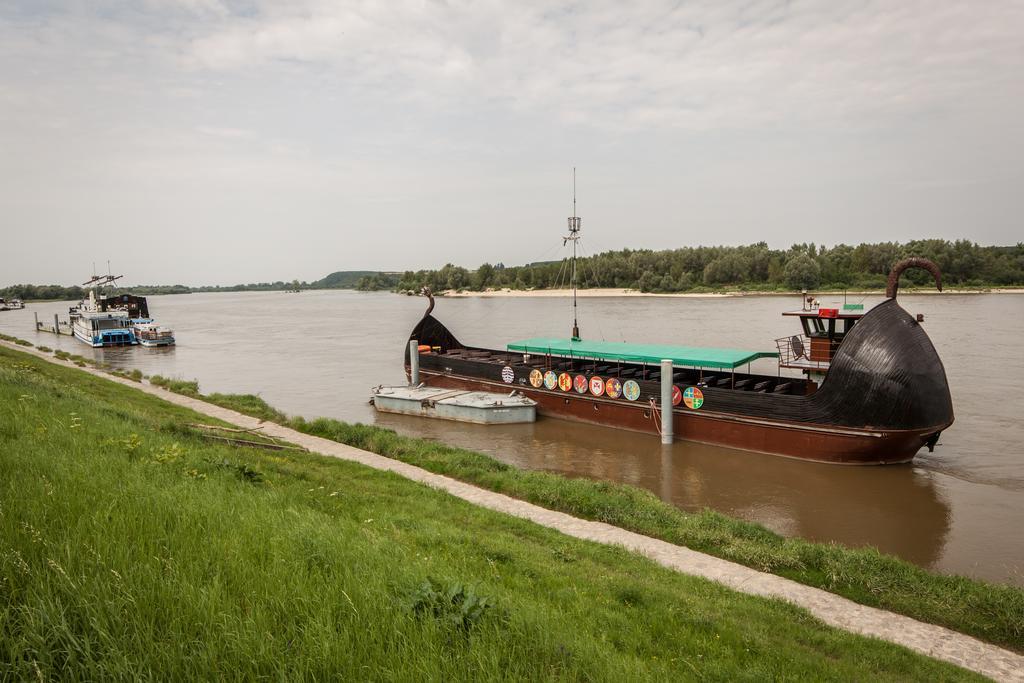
x=615 y=292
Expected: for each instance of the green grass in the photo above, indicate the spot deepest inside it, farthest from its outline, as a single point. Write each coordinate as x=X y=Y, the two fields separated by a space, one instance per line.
x=16 y=340
x=178 y=386
x=988 y=611
x=248 y=404
x=134 y=375
x=131 y=550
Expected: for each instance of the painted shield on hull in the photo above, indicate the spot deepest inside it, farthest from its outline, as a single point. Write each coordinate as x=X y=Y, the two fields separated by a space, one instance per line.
x=536 y=378
x=693 y=397
x=677 y=395
x=508 y=375
x=580 y=384
x=596 y=386
x=631 y=390
x=613 y=387
x=550 y=379
x=565 y=381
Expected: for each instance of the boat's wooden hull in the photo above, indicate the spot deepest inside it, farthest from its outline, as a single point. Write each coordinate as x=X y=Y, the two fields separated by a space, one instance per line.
x=805 y=442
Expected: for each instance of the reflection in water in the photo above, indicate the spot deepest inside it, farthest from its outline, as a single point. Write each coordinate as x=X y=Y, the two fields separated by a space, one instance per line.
x=895 y=509
x=959 y=509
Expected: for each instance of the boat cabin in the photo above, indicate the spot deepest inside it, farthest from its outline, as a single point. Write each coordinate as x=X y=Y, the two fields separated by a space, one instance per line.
x=823 y=331
x=135 y=306
x=103 y=329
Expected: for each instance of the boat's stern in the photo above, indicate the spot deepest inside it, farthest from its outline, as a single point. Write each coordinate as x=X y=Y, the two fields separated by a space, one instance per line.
x=887 y=375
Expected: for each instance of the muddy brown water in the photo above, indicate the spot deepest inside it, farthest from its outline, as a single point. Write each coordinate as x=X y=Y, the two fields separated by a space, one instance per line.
x=957 y=510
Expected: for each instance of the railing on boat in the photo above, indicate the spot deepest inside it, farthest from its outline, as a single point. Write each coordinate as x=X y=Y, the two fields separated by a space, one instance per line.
x=803 y=352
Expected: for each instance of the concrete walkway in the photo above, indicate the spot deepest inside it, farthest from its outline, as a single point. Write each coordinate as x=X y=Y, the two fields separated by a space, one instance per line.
x=928 y=639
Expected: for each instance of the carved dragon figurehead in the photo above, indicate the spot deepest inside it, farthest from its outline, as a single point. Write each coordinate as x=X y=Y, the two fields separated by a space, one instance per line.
x=430 y=295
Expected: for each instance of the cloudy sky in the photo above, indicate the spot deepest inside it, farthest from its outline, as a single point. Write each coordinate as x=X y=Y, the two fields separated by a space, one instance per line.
x=213 y=141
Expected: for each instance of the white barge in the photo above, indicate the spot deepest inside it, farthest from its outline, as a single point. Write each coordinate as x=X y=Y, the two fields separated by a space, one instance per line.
x=478 y=407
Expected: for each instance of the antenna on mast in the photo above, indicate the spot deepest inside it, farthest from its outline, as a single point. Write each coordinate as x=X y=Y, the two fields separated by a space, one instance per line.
x=575 y=224
x=100 y=280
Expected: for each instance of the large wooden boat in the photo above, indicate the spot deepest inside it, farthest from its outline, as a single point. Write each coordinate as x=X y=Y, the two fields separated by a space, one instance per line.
x=882 y=395
x=873 y=389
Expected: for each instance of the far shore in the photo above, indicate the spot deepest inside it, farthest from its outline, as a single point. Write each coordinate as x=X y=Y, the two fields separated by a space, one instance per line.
x=616 y=292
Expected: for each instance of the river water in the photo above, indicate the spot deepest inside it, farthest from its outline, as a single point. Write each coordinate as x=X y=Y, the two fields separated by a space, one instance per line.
x=957 y=510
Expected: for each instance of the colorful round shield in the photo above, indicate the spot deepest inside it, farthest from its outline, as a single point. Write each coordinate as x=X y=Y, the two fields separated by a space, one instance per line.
x=536 y=377
x=565 y=381
x=596 y=386
x=693 y=397
x=677 y=395
x=631 y=390
x=579 y=383
x=507 y=375
x=613 y=387
x=550 y=379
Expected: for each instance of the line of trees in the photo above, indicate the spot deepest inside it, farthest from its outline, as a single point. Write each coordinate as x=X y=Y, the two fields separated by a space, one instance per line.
x=75 y=293
x=750 y=267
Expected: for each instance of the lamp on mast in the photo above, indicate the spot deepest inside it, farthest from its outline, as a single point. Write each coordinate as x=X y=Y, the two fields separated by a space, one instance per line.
x=575 y=223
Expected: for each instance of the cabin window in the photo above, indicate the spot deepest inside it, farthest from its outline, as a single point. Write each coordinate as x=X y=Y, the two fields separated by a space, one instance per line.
x=814 y=327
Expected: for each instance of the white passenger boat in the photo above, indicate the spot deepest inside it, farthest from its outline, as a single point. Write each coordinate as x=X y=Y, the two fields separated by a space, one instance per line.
x=97 y=328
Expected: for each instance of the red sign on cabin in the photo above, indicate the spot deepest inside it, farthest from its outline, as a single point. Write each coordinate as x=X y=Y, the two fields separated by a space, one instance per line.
x=828 y=312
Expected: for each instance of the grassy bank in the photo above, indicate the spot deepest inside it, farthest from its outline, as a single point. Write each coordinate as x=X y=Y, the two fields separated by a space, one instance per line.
x=988 y=611
x=991 y=612
x=132 y=548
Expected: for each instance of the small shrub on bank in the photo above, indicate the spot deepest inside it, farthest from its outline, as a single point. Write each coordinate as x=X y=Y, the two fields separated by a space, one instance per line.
x=454 y=605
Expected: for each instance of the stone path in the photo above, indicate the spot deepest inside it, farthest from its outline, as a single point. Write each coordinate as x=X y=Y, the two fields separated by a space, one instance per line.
x=928 y=639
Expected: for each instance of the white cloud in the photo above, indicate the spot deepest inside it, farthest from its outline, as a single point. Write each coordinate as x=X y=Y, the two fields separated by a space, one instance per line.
x=364 y=126
x=698 y=65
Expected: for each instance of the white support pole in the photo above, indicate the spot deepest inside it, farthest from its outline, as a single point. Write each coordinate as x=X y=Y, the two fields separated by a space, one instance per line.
x=666 y=401
x=414 y=362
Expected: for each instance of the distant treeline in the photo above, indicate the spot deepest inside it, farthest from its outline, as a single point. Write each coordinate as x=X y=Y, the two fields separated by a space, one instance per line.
x=346 y=279
x=751 y=267
x=689 y=269
x=60 y=292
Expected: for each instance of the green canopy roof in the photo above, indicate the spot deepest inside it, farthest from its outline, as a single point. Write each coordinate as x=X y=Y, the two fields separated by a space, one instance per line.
x=641 y=353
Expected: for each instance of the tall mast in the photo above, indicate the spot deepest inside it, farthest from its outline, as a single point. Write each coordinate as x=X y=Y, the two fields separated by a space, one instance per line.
x=575 y=223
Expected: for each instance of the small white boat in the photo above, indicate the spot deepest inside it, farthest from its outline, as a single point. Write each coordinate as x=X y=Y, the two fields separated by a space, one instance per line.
x=12 y=305
x=148 y=333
